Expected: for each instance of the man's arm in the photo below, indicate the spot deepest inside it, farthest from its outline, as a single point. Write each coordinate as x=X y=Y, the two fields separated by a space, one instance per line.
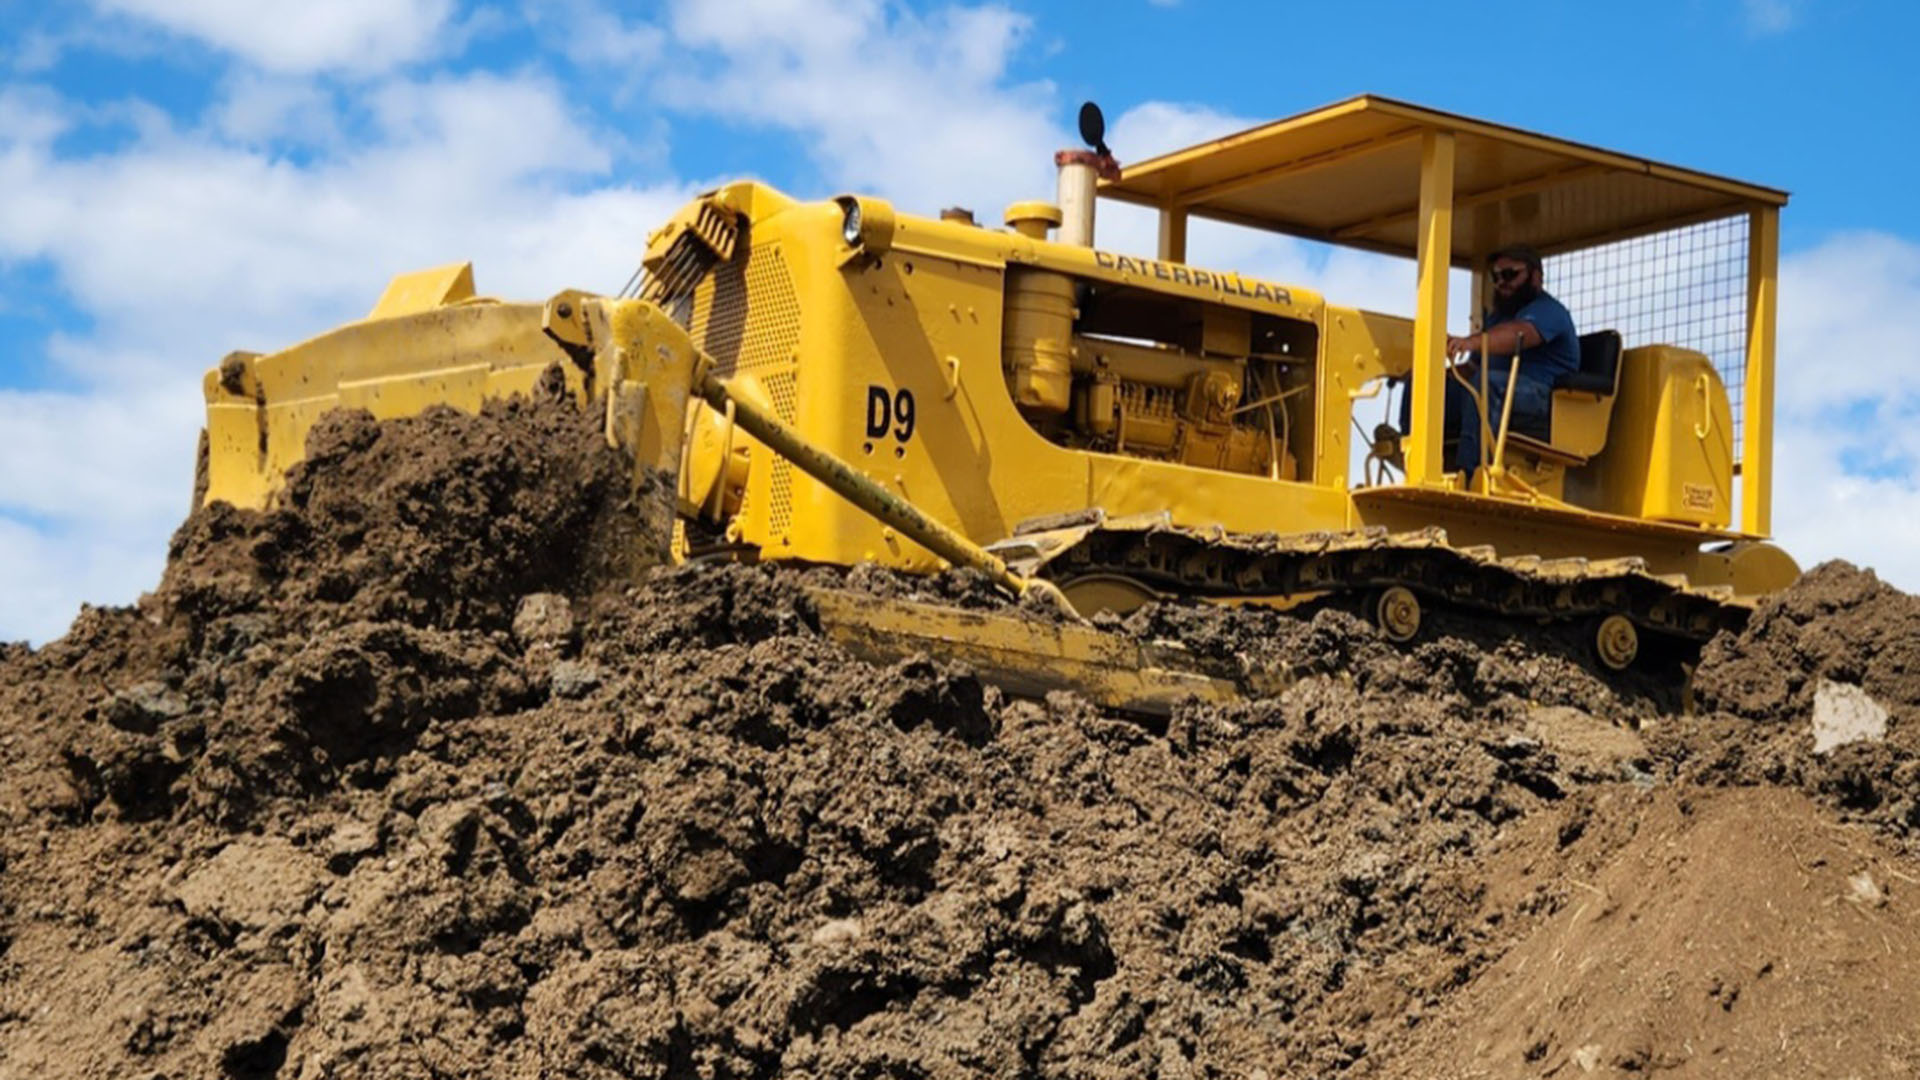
x=1503 y=340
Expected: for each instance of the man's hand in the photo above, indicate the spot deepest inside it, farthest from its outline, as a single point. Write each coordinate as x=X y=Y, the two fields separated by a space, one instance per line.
x=1503 y=340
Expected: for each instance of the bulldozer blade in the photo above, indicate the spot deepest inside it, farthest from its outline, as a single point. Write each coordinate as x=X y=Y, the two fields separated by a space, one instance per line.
x=1028 y=657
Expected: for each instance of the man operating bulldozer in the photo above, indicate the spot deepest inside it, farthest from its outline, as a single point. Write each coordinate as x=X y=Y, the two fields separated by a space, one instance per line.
x=1523 y=318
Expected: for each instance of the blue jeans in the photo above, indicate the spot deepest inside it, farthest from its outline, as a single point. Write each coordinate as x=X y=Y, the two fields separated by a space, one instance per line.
x=1532 y=413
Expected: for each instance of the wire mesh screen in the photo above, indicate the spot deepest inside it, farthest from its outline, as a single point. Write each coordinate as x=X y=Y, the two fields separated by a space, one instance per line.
x=1685 y=287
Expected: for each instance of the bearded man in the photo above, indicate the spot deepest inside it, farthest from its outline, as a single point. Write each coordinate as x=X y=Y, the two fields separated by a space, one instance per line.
x=1524 y=319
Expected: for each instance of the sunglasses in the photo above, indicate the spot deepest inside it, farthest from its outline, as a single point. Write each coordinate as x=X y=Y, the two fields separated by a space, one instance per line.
x=1507 y=274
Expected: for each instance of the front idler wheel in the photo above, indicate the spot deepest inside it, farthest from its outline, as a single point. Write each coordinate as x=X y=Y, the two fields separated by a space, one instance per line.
x=1396 y=611
x=1616 y=642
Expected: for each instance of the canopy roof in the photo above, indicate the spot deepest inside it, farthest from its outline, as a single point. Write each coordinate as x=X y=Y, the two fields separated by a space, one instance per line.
x=1350 y=174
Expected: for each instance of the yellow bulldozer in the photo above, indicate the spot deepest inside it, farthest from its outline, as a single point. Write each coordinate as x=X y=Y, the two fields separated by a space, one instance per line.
x=840 y=382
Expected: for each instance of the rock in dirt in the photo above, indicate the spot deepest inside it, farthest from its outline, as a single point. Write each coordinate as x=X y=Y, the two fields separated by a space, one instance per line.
x=1843 y=714
x=254 y=883
x=573 y=678
x=544 y=620
x=1759 y=691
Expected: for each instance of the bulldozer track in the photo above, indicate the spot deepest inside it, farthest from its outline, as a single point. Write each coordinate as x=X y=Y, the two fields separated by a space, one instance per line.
x=1218 y=564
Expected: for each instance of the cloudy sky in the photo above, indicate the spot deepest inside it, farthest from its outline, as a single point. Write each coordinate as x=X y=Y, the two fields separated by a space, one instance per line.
x=179 y=178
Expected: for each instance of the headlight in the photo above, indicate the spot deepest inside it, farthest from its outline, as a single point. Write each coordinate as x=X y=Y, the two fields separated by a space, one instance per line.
x=850 y=221
x=866 y=224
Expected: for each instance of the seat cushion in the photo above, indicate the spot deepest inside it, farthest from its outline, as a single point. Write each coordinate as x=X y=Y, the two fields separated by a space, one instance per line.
x=1599 y=365
x=1586 y=382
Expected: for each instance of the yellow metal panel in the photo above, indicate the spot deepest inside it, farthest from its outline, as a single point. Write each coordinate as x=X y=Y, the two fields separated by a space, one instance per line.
x=1424 y=464
x=1370 y=146
x=234 y=436
x=1756 y=457
x=387 y=397
x=394 y=366
x=1504 y=190
x=424 y=290
x=1026 y=656
x=1690 y=469
x=1357 y=348
x=650 y=378
x=1215 y=286
x=1668 y=453
x=1199 y=497
x=1513 y=527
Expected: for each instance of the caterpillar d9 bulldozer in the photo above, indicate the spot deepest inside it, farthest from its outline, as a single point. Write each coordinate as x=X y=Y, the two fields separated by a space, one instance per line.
x=842 y=382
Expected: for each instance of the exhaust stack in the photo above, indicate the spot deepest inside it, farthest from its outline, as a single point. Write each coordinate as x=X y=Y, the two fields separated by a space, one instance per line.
x=1080 y=173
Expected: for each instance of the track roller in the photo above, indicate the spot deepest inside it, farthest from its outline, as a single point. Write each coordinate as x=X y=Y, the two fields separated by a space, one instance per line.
x=1396 y=611
x=1615 y=642
x=1091 y=594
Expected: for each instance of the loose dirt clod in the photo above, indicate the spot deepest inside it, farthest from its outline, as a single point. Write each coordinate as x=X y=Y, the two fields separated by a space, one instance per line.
x=411 y=777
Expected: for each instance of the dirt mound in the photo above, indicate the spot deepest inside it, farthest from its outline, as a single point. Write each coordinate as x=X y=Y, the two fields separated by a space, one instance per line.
x=442 y=520
x=1840 y=632
x=1736 y=934
x=405 y=778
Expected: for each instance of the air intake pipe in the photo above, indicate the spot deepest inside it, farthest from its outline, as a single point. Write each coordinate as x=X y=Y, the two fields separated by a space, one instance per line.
x=1080 y=172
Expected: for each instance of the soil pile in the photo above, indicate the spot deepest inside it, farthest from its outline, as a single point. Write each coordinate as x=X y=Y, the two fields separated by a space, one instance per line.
x=405 y=779
x=1736 y=934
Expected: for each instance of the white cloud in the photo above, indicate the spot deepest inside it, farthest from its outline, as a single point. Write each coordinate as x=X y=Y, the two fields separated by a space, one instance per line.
x=1768 y=16
x=1822 y=512
x=257 y=108
x=185 y=235
x=1160 y=127
x=94 y=484
x=77 y=451
x=46 y=573
x=295 y=36
x=588 y=34
x=31 y=116
x=1847 y=442
x=913 y=108
x=1849 y=322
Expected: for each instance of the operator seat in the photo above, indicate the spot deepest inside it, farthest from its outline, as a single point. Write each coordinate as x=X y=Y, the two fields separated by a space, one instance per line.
x=1582 y=404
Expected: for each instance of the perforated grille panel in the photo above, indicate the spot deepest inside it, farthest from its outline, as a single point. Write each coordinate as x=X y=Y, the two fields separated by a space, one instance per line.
x=783 y=387
x=1685 y=287
x=747 y=317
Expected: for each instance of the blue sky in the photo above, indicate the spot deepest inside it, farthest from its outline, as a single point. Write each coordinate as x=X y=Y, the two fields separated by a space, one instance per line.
x=183 y=177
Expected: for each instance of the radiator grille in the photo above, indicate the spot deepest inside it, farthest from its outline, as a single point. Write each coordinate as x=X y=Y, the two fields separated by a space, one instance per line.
x=782 y=386
x=746 y=316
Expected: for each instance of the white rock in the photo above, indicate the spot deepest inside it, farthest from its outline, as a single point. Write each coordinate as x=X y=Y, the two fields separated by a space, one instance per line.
x=838 y=932
x=1862 y=889
x=1843 y=714
x=543 y=618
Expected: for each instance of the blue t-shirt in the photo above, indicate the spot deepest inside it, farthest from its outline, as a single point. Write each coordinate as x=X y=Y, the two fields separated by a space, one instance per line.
x=1559 y=350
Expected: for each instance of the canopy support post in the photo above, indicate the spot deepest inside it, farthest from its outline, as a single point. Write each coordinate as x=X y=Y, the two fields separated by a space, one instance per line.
x=1756 y=452
x=1424 y=462
x=1173 y=233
